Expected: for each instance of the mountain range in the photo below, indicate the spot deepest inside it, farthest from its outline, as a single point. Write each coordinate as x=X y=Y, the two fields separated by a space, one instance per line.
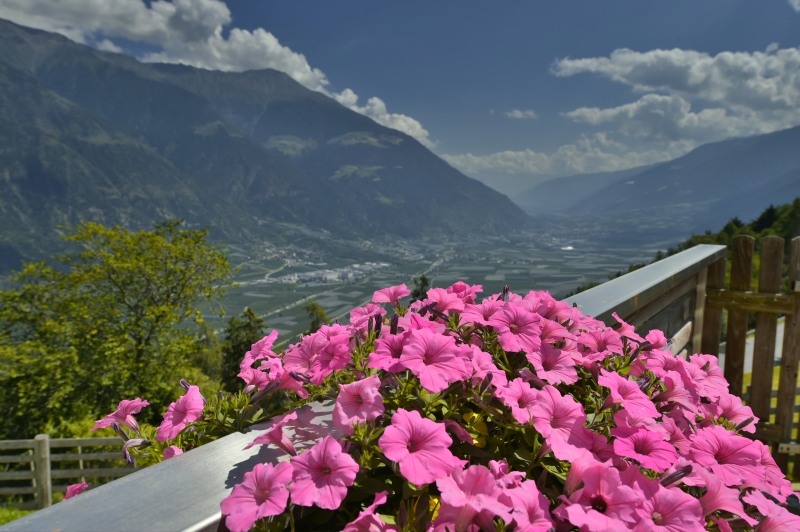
x=699 y=191
x=91 y=135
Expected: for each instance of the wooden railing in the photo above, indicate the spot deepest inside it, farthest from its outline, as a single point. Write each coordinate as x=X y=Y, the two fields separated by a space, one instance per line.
x=31 y=466
x=184 y=493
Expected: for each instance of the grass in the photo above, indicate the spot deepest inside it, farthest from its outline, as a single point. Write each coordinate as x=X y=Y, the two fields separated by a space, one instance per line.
x=8 y=514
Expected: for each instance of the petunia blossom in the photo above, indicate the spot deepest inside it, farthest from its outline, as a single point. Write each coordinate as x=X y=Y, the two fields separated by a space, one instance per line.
x=627 y=393
x=648 y=447
x=435 y=359
x=420 y=447
x=322 y=474
x=261 y=494
x=358 y=402
x=368 y=520
x=259 y=350
x=123 y=415
x=471 y=497
x=171 y=452
x=180 y=413
x=391 y=295
x=735 y=459
x=76 y=489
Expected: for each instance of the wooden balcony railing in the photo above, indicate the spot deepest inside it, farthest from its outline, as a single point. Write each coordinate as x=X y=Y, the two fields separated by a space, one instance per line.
x=184 y=493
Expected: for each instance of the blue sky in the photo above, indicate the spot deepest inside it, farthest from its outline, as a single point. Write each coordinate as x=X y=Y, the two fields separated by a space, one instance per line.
x=505 y=91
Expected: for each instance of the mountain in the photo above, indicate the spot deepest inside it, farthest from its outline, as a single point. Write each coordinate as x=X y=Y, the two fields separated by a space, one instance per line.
x=696 y=192
x=90 y=135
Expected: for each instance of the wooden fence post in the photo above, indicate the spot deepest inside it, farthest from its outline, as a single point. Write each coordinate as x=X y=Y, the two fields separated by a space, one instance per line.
x=790 y=357
x=766 y=326
x=712 y=315
x=741 y=272
x=41 y=464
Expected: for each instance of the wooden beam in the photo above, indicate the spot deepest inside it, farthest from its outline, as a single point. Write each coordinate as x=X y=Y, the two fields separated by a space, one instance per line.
x=746 y=301
x=741 y=271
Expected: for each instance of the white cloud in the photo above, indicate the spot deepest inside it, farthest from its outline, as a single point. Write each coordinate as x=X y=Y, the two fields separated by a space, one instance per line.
x=596 y=153
x=795 y=4
x=694 y=96
x=522 y=114
x=190 y=32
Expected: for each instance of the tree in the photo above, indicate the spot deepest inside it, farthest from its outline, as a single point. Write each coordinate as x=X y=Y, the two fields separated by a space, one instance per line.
x=318 y=316
x=421 y=286
x=240 y=333
x=116 y=320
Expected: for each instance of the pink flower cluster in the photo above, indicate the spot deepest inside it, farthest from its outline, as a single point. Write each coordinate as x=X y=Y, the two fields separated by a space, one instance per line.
x=454 y=414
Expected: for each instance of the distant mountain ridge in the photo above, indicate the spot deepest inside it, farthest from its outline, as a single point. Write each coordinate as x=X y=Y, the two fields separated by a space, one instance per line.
x=92 y=135
x=699 y=191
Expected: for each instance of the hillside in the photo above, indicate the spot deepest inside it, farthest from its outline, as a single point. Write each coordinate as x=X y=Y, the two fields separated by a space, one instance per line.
x=693 y=193
x=99 y=136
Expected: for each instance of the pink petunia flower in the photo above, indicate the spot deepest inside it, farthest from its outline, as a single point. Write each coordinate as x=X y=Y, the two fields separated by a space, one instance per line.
x=358 y=402
x=254 y=379
x=465 y=292
x=322 y=474
x=368 y=520
x=171 y=452
x=76 y=489
x=435 y=359
x=360 y=317
x=778 y=518
x=603 y=503
x=472 y=497
x=666 y=509
x=517 y=328
x=481 y=314
x=261 y=494
x=530 y=510
x=259 y=350
x=180 y=413
x=444 y=300
x=732 y=457
x=388 y=349
x=559 y=419
x=276 y=436
x=420 y=446
x=719 y=497
x=647 y=447
x=123 y=415
x=482 y=365
x=391 y=294
x=553 y=365
x=626 y=392
x=520 y=397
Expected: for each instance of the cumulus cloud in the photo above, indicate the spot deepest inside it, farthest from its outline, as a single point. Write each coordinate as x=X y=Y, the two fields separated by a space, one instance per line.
x=595 y=153
x=190 y=32
x=795 y=4
x=522 y=114
x=695 y=97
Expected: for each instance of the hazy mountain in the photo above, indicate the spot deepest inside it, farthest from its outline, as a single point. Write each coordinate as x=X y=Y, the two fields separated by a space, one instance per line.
x=99 y=136
x=699 y=191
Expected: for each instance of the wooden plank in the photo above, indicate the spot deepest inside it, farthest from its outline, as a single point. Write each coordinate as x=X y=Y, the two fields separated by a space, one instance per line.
x=85 y=442
x=20 y=490
x=741 y=271
x=681 y=338
x=86 y=457
x=626 y=294
x=712 y=319
x=646 y=312
x=41 y=467
x=768 y=432
x=766 y=328
x=753 y=301
x=16 y=459
x=789 y=358
x=94 y=472
x=699 y=309
x=17 y=475
x=16 y=444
